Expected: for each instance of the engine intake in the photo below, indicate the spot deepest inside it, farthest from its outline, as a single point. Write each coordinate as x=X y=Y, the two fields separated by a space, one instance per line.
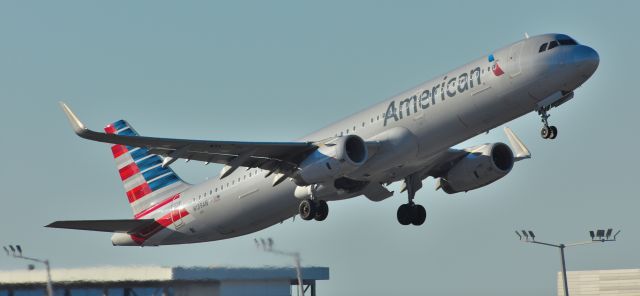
x=480 y=168
x=333 y=160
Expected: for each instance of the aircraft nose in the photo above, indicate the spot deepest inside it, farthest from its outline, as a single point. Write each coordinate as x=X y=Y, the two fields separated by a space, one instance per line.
x=586 y=59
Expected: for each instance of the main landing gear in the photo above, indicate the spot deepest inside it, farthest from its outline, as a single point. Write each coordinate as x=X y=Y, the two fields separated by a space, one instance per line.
x=547 y=132
x=412 y=213
x=313 y=209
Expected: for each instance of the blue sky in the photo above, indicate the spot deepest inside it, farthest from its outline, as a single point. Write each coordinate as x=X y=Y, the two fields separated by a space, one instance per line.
x=275 y=71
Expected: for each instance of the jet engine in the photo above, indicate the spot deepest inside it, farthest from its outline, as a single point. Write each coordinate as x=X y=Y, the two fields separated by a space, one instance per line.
x=332 y=160
x=479 y=168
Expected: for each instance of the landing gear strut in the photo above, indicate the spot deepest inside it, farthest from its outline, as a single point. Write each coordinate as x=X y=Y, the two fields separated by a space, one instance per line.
x=313 y=209
x=412 y=213
x=547 y=132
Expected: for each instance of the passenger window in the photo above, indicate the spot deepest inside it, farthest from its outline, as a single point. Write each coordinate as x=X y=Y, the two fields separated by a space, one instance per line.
x=543 y=47
x=553 y=44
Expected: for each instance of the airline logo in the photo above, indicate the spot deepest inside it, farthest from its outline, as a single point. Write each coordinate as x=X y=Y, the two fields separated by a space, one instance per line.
x=495 y=68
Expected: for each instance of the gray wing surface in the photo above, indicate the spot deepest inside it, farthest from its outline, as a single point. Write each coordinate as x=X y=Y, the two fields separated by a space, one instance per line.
x=266 y=155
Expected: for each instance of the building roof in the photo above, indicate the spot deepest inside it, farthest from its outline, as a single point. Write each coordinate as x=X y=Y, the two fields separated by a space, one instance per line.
x=119 y=274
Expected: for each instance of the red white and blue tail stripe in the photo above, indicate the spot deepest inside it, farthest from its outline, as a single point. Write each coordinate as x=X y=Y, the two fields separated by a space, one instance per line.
x=146 y=182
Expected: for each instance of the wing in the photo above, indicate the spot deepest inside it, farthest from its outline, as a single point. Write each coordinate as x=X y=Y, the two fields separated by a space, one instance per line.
x=444 y=161
x=271 y=156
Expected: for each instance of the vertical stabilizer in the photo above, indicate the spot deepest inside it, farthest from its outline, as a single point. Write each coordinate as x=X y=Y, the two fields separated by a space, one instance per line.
x=146 y=182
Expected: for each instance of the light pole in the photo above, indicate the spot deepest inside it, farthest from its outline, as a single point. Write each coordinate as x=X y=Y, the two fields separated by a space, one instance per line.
x=16 y=252
x=599 y=236
x=267 y=246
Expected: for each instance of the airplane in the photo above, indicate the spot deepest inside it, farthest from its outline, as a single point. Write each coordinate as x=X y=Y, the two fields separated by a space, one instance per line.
x=406 y=138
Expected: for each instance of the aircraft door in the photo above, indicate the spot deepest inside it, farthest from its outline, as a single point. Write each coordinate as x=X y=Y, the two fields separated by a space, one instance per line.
x=176 y=213
x=514 y=59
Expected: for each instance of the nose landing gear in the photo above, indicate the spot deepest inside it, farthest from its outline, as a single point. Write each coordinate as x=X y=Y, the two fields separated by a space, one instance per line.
x=547 y=132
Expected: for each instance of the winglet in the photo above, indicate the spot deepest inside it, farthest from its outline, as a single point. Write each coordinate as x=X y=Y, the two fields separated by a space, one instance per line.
x=76 y=124
x=521 y=151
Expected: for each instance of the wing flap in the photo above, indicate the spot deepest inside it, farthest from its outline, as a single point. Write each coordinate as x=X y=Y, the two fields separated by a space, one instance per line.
x=122 y=226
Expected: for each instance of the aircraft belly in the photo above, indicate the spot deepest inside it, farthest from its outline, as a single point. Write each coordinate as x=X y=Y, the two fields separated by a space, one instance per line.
x=243 y=213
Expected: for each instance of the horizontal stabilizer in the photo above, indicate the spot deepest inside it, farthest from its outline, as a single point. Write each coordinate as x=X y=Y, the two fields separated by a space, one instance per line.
x=123 y=226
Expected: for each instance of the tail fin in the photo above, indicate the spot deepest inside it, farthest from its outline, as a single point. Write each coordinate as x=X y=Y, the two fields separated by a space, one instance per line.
x=145 y=181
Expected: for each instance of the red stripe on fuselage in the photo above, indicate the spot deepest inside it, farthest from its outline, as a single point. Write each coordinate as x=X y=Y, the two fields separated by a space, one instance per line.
x=161 y=223
x=128 y=171
x=139 y=192
x=156 y=206
x=118 y=150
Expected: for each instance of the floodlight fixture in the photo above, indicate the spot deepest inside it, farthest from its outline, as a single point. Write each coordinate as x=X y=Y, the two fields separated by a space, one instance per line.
x=6 y=250
x=270 y=242
x=614 y=236
x=596 y=237
x=19 y=250
x=13 y=250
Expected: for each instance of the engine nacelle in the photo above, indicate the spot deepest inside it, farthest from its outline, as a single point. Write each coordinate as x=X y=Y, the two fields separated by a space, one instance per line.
x=478 y=169
x=332 y=160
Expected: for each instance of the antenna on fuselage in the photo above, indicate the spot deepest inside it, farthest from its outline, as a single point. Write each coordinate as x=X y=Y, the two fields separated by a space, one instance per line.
x=526 y=35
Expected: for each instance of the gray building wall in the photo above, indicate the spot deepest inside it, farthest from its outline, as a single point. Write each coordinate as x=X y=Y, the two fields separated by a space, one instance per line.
x=619 y=282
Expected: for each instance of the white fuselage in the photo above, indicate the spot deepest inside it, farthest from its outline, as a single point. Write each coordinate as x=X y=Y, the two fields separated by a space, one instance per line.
x=416 y=126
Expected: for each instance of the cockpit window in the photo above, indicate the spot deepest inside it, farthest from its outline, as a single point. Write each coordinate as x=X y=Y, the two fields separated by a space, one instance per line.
x=567 y=42
x=553 y=44
x=543 y=47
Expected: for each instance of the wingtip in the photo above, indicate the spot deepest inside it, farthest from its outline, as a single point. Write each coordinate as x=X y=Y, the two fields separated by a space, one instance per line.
x=522 y=152
x=75 y=122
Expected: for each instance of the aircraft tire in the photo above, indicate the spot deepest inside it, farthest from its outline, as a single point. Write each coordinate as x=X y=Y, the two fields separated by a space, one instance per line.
x=322 y=210
x=554 y=132
x=307 y=210
x=404 y=214
x=545 y=132
x=418 y=215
